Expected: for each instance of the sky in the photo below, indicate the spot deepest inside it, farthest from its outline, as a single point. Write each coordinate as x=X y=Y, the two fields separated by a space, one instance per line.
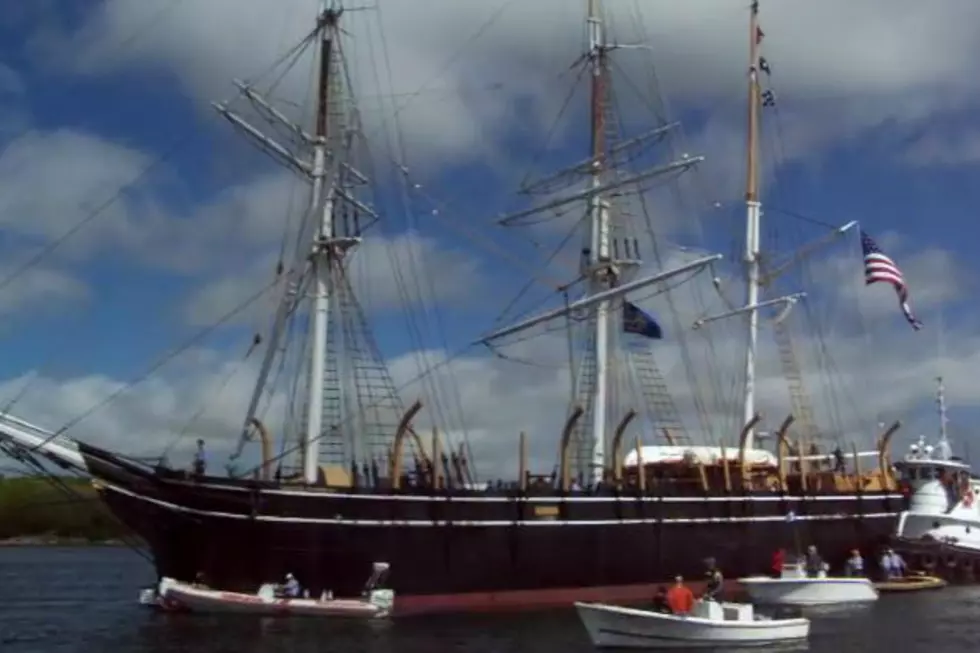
x=132 y=217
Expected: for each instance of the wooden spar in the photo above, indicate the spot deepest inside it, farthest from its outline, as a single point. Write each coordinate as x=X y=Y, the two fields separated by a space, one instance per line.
x=266 y=443
x=641 y=472
x=420 y=448
x=566 y=436
x=395 y=464
x=804 y=464
x=522 y=464
x=726 y=472
x=435 y=464
x=703 y=473
x=858 y=483
x=617 y=445
x=782 y=449
x=742 y=442
x=884 y=462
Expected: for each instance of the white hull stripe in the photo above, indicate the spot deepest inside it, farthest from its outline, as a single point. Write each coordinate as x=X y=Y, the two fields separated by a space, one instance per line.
x=340 y=521
x=572 y=498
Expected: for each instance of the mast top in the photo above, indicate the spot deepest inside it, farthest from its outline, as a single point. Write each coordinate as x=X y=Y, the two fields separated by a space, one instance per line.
x=752 y=167
x=941 y=402
x=329 y=16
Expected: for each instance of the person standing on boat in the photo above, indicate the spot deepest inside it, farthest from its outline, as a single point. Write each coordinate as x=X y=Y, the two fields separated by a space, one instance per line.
x=200 y=459
x=778 y=561
x=892 y=564
x=854 y=566
x=814 y=563
x=715 y=581
x=291 y=588
x=680 y=598
x=660 y=600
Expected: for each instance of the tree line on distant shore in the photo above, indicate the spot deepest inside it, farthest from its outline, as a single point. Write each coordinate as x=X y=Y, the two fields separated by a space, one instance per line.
x=34 y=508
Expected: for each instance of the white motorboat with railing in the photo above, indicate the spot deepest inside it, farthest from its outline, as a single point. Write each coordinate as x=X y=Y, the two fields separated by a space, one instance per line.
x=710 y=624
x=795 y=588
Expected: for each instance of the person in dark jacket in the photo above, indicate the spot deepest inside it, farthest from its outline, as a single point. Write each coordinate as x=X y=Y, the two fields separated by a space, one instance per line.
x=854 y=567
x=813 y=563
x=715 y=581
x=660 y=600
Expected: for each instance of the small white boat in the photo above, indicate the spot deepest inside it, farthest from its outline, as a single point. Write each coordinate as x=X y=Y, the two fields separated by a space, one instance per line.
x=795 y=588
x=174 y=595
x=710 y=624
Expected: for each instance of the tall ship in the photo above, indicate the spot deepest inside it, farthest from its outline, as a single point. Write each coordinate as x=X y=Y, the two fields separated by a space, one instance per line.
x=939 y=531
x=634 y=498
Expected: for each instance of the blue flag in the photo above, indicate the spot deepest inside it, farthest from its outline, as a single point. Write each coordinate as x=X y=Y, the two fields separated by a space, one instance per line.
x=635 y=320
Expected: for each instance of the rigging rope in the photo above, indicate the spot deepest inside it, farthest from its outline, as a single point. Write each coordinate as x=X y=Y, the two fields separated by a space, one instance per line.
x=198 y=337
x=406 y=196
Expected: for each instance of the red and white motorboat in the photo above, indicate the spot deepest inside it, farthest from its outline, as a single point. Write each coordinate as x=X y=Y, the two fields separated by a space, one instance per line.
x=175 y=596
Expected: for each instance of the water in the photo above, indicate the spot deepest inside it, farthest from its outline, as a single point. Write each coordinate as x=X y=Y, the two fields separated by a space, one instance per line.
x=84 y=600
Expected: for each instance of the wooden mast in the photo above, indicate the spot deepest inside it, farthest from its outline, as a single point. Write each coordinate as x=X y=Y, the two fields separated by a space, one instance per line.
x=752 y=214
x=596 y=262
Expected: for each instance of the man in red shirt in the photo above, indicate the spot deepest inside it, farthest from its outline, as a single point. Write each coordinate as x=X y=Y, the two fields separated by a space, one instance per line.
x=680 y=598
x=778 y=560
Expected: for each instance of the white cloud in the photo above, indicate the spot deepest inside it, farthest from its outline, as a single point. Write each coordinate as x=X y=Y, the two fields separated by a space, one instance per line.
x=860 y=70
x=40 y=289
x=50 y=181
x=200 y=395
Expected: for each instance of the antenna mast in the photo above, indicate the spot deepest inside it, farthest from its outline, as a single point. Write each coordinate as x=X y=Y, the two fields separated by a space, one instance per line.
x=752 y=214
x=941 y=402
x=597 y=262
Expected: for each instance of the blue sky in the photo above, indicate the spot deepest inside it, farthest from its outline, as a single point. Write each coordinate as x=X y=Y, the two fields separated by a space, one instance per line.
x=866 y=128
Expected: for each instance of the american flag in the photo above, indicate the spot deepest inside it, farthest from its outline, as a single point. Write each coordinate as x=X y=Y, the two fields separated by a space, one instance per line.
x=878 y=267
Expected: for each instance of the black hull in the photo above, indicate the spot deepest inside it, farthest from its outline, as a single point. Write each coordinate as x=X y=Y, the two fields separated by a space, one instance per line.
x=472 y=550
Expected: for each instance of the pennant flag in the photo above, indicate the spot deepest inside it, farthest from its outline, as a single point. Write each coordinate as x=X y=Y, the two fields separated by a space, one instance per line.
x=878 y=267
x=636 y=321
x=764 y=66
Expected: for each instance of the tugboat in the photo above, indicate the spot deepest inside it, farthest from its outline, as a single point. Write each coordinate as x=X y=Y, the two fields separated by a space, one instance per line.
x=940 y=531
